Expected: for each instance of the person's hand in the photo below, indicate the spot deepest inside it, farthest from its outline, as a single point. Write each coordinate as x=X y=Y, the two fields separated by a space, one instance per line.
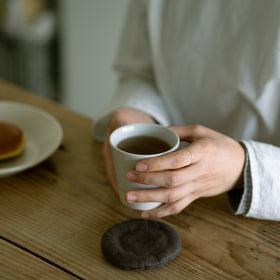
x=117 y=119
x=212 y=164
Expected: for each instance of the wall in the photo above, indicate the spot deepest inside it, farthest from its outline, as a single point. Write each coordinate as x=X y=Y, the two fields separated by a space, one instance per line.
x=89 y=32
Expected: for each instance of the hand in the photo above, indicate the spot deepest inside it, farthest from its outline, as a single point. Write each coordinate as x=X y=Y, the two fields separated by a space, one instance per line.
x=117 y=119
x=212 y=164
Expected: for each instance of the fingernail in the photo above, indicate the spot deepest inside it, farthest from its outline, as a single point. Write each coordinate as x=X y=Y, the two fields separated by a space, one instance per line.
x=131 y=197
x=131 y=176
x=146 y=215
x=141 y=167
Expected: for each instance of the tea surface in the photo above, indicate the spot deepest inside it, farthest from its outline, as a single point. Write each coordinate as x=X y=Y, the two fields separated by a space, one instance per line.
x=144 y=145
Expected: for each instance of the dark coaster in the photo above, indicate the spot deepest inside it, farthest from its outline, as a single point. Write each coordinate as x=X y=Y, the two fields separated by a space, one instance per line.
x=140 y=244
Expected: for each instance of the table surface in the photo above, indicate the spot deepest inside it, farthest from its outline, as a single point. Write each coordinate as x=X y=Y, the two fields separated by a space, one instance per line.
x=52 y=218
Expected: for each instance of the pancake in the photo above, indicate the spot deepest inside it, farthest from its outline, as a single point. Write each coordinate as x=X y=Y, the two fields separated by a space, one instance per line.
x=12 y=140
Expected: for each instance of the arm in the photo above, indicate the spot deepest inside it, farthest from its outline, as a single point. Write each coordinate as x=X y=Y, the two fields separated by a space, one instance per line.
x=212 y=164
x=137 y=85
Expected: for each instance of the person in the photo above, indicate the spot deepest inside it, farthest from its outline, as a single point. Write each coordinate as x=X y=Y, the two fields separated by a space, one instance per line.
x=211 y=71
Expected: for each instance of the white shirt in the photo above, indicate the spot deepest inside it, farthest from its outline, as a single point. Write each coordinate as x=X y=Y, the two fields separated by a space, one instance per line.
x=214 y=63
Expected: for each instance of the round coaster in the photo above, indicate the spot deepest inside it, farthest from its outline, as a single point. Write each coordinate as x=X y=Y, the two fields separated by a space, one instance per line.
x=140 y=244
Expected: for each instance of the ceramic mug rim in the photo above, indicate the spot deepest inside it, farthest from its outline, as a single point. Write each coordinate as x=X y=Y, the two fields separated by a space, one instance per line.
x=173 y=142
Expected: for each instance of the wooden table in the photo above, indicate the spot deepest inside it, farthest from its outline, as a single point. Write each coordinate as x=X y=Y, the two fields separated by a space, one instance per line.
x=53 y=216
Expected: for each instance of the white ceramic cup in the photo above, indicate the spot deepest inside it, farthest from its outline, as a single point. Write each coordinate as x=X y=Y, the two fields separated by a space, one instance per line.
x=124 y=161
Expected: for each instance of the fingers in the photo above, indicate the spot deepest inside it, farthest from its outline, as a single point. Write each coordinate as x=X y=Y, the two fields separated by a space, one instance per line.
x=175 y=160
x=196 y=135
x=175 y=199
x=169 y=178
x=165 y=195
x=170 y=208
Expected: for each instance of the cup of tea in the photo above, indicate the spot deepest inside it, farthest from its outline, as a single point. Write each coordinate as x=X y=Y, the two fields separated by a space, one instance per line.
x=132 y=143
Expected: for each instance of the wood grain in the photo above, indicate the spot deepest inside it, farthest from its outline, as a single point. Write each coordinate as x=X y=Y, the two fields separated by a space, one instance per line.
x=16 y=263
x=60 y=209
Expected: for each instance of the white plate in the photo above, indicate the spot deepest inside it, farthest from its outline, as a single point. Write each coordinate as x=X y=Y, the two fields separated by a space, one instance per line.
x=42 y=131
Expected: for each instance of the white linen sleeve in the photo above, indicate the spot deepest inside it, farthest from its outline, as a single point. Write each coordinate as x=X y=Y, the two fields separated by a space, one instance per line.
x=261 y=196
x=137 y=86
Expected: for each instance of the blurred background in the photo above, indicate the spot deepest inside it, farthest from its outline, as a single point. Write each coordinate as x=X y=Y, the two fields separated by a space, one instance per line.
x=62 y=50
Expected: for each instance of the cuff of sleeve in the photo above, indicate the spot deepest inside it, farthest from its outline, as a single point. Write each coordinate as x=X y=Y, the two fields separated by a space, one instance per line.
x=240 y=199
